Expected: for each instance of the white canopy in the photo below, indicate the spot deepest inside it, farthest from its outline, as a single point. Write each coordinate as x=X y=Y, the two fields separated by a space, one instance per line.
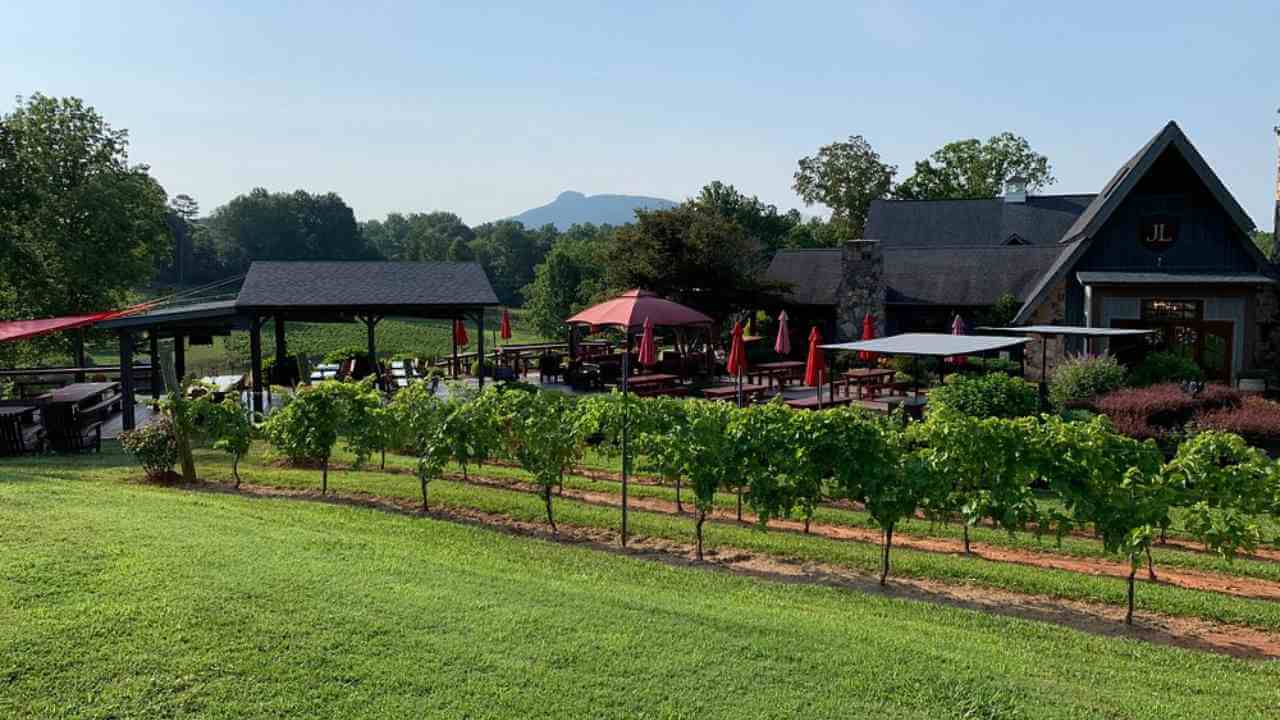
x=931 y=344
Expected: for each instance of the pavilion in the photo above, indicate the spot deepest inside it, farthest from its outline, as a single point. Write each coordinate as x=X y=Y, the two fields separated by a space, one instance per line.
x=306 y=291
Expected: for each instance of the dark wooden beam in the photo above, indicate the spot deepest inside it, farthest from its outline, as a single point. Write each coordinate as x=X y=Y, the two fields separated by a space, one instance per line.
x=255 y=362
x=180 y=356
x=153 y=349
x=370 y=323
x=480 y=345
x=126 y=380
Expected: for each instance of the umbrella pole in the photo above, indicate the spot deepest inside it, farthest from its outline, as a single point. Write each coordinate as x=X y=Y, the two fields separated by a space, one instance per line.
x=626 y=431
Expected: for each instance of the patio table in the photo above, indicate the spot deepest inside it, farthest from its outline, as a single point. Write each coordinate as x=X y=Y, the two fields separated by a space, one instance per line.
x=779 y=372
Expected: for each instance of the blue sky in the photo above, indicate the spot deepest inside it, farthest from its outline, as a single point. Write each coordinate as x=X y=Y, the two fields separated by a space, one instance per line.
x=488 y=111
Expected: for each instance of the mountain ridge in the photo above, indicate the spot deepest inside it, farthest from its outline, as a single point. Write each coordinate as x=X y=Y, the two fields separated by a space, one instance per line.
x=574 y=208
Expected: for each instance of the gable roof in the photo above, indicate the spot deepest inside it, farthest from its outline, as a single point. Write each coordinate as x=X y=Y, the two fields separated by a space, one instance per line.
x=813 y=276
x=1077 y=239
x=963 y=276
x=977 y=222
x=373 y=285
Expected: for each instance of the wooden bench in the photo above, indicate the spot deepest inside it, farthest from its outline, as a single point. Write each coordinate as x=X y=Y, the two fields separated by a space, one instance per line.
x=672 y=391
x=105 y=408
x=811 y=403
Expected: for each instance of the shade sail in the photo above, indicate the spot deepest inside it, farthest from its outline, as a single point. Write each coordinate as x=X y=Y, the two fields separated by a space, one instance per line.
x=630 y=309
x=931 y=344
x=23 y=329
x=1069 y=330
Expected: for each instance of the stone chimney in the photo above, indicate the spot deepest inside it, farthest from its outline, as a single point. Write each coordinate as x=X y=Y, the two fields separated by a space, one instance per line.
x=861 y=290
x=1015 y=189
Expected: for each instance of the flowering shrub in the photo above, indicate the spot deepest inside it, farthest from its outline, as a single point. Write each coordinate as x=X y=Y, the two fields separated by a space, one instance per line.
x=154 y=445
x=1257 y=420
x=1165 y=367
x=1160 y=411
x=1082 y=378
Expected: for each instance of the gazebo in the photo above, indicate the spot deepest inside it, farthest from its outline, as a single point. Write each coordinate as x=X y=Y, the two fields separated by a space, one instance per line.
x=305 y=291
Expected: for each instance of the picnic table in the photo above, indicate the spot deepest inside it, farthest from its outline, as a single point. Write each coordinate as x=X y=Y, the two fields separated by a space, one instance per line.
x=811 y=403
x=80 y=394
x=866 y=380
x=779 y=372
x=652 y=379
x=750 y=392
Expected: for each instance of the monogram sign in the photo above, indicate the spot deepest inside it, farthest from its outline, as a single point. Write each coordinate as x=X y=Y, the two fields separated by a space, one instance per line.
x=1158 y=233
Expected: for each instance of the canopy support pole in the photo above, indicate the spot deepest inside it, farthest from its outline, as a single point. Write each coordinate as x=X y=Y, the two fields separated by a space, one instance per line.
x=255 y=362
x=480 y=345
x=128 y=420
x=626 y=429
x=153 y=349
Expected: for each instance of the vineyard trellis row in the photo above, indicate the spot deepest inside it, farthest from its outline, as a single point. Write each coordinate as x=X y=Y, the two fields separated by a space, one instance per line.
x=1043 y=473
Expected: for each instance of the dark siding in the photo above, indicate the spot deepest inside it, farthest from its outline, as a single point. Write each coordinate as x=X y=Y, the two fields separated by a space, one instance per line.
x=1207 y=238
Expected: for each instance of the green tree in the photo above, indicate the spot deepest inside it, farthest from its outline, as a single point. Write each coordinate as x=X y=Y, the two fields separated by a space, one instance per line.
x=974 y=169
x=763 y=225
x=508 y=252
x=568 y=279
x=228 y=426
x=846 y=177
x=79 y=225
x=1266 y=242
x=819 y=233
x=286 y=226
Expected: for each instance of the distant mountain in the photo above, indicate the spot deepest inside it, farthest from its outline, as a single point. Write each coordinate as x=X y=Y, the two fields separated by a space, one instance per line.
x=572 y=208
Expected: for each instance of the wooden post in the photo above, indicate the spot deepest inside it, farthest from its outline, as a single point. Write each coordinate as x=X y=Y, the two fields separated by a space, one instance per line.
x=480 y=345
x=626 y=429
x=454 y=369
x=371 y=322
x=180 y=356
x=128 y=421
x=255 y=362
x=153 y=350
x=282 y=350
x=79 y=353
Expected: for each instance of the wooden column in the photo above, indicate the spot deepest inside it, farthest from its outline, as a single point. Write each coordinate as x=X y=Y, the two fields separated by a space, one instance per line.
x=370 y=323
x=126 y=379
x=153 y=349
x=179 y=356
x=454 y=369
x=78 y=340
x=480 y=344
x=282 y=350
x=255 y=362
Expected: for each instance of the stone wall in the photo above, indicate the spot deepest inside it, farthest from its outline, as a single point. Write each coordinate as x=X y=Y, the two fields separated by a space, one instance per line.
x=1266 y=349
x=861 y=289
x=1051 y=311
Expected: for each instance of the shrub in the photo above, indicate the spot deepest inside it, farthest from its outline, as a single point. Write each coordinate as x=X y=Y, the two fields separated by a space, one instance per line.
x=991 y=395
x=1159 y=410
x=1256 y=420
x=1082 y=378
x=344 y=353
x=1165 y=367
x=155 y=446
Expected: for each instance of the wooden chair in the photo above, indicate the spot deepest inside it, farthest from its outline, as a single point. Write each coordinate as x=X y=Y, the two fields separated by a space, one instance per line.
x=65 y=431
x=549 y=368
x=12 y=439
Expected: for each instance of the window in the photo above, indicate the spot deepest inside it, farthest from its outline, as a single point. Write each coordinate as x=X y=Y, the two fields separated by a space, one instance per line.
x=1160 y=309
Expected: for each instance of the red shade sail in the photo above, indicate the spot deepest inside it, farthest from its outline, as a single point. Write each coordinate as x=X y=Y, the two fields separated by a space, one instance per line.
x=504 y=327
x=648 y=348
x=782 y=345
x=868 y=333
x=737 y=364
x=630 y=309
x=815 y=368
x=460 y=333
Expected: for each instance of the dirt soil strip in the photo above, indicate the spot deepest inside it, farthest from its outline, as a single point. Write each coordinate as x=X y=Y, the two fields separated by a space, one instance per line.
x=1104 y=620
x=1245 y=587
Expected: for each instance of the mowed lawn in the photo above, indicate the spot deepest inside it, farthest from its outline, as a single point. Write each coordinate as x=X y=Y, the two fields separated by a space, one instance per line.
x=123 y=600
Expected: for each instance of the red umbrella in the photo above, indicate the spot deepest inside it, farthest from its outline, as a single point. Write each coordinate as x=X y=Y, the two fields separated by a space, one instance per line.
x=868 y=333
x=815 y=368
x=504 y=327
x=782 y=345
x=460 y=333
x=630 y=309
x=737 y=364
x=648 y=348
x=958 y=328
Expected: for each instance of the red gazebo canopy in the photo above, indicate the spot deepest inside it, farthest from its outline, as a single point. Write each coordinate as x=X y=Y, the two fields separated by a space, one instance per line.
x=629 y=310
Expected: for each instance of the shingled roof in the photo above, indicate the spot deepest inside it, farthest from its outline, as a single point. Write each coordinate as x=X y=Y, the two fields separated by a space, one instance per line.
x=813 y=276
x=963 y=276
x=377 y=285
x=1040 y=220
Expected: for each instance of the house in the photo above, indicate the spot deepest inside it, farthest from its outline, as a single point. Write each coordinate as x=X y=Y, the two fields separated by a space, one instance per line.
x=1163 y=246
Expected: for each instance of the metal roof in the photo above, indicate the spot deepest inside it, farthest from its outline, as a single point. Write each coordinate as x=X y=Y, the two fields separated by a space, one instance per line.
x=1157 y=278
x=1069 y=330
x=195 y=313
x=931 y=344
x=359 y=285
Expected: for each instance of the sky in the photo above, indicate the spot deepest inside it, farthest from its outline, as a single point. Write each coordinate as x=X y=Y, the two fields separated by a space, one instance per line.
x=488 y=111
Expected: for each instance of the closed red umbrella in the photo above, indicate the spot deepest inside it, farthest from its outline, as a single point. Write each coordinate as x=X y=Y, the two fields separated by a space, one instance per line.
x=958 y=328
x=815 y=368
x=460 y=333
x=868 y=333
x=504 y=327
x=782 y=345
x=648 y=348
x=737 y=364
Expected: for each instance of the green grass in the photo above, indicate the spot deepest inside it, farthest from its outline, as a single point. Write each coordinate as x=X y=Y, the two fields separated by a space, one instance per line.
x=863 y=557
x=122 y=600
